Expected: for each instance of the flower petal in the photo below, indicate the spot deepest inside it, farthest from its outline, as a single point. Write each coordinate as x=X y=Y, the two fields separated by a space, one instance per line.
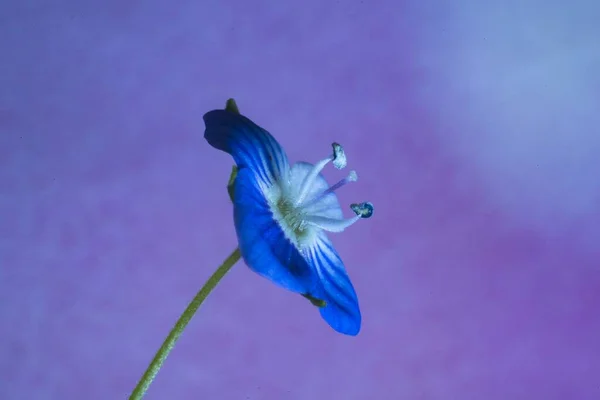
x=342 y=311
x=250 y=145
x=263 y=245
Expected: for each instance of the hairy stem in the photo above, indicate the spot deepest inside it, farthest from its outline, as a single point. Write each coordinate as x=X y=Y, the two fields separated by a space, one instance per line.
x=169 y=343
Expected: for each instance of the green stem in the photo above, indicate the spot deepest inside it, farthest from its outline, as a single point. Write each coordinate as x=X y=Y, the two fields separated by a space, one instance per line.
x=162 y=353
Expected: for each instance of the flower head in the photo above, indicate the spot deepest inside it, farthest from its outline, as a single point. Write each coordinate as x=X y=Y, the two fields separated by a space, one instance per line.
x=282 y=214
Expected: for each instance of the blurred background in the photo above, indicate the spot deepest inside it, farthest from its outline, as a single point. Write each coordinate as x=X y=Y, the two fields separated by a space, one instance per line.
x=474 y=129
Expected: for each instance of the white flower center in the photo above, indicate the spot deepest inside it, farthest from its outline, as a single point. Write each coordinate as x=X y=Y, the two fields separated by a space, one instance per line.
x=303 y=204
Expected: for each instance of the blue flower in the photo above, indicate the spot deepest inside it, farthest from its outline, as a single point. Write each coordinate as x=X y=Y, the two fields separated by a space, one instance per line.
x=281 y=214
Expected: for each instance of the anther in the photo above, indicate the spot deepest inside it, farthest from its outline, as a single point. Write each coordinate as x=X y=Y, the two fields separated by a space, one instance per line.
x=339 y=157
x=363 y=210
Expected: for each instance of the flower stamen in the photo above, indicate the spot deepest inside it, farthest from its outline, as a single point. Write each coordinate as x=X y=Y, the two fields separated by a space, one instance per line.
x=362 y=210
x=339 y=161
x=330 y=224
x=352 y=177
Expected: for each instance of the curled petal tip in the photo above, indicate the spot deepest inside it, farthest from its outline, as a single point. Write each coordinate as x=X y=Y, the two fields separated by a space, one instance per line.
x=363 y=210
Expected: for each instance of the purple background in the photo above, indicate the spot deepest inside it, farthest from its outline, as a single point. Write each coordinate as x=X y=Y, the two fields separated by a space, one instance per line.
x=474 y=130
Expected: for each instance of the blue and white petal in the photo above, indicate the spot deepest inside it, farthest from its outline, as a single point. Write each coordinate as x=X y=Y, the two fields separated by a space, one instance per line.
x=265 y=248
x=342 y=311
x=250 y=145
